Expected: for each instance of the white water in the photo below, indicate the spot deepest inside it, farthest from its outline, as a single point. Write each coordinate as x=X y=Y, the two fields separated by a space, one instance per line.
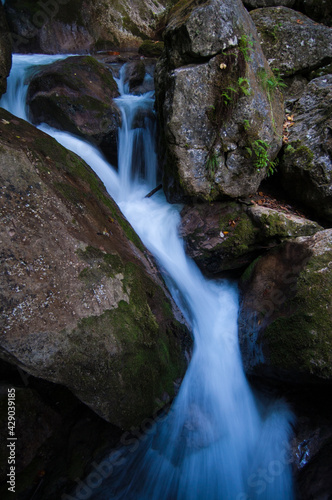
x=218 y=442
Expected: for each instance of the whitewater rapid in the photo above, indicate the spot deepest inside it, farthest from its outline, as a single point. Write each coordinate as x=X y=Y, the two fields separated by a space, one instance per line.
x=218 y=441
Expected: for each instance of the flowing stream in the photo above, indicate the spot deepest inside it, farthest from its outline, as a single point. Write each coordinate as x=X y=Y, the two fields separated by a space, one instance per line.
x=218 y=441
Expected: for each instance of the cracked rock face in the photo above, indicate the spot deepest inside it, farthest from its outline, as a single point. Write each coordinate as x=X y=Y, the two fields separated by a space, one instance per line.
x=306 y=166
x=213 y=103
x=82 y=303
x=292 y=42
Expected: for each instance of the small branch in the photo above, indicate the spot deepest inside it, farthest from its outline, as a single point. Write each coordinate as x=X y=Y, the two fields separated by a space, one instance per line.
x=153 y=191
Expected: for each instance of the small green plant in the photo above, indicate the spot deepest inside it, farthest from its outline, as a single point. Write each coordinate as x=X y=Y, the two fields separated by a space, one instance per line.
x=229 y=93
x=271 y=83
x=289 y=149
x=244 y=86
x=245 y=45
x=246 y=124
x=259 y=149
x=212 y=164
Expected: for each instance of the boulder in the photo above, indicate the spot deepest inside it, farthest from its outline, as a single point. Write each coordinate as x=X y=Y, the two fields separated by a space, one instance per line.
x=224 y=236
x=139 y=76
x=5 y=52
x=285 y=322
x=292 y=42
x=56 y=436
x=77 y=95
x=306 y=165
x=255 y=4
x=319 y=10
x=82 y=26
x=82 y=303
x=220 y=118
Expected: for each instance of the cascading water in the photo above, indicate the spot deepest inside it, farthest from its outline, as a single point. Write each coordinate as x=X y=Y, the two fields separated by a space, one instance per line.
x=217 y=442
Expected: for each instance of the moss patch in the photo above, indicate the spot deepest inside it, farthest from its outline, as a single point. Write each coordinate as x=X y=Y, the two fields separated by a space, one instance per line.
x=302 y=340
x=150 y=48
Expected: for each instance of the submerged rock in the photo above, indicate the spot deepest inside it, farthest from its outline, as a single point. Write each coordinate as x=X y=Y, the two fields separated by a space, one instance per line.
x=306 y=166
x=77 y=95
x=220 y=121
x=228 y=235
x=292 y=42
x=82 y=303
x=286 y=312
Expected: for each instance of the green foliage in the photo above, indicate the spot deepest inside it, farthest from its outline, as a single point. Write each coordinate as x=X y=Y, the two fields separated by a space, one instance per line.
x=244 y=86
x=212 y=164
x=230 y=93
x=246 y=124
x=259 y=151
x=245 y=45
x=271 y=83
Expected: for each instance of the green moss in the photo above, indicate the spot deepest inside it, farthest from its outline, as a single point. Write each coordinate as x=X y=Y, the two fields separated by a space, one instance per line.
x=302 y=340
x=300 y=155
x=246 y=276
x=240 y=236
x=150 y=48
x=71 y=193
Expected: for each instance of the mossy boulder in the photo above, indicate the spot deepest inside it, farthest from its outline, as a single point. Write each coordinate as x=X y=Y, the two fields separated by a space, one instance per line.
x=213 y=103
x=286 y=312
x=5 y=51
x=151 y=48
x=224 y=236
x=77 y=95
x=82 y=303
x=306 y=165
x=292 y=42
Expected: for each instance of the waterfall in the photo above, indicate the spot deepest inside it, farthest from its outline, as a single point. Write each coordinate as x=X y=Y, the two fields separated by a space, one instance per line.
x=219 y=441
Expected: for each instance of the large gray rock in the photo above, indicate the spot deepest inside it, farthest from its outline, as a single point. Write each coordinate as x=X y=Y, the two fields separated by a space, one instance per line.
x=81 y=26
x=5 y=52
x=217 y=115
x=291 y=41
x=306 y=166
x=77 y=95
x=82 y=303
x=286 y=312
